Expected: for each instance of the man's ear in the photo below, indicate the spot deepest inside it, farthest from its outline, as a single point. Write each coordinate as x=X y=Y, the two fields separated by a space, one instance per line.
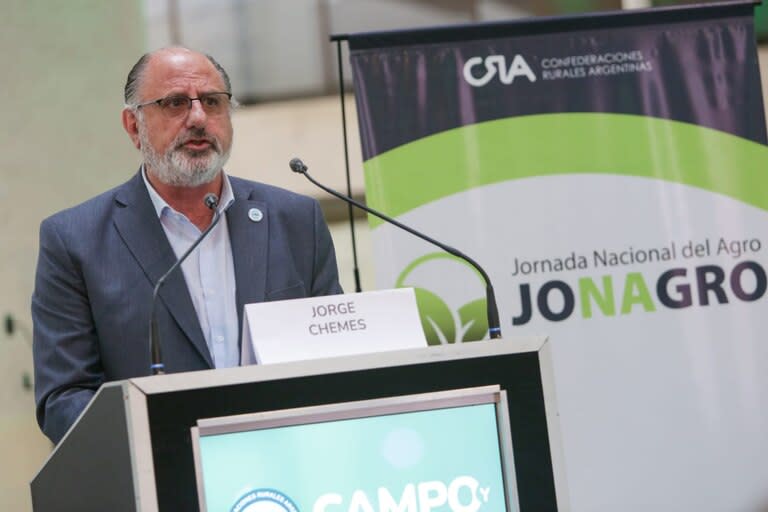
x=131 y=125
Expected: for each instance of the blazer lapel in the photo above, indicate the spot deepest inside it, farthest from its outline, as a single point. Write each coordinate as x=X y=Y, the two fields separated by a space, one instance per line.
x=248 y=237
x=138 y=225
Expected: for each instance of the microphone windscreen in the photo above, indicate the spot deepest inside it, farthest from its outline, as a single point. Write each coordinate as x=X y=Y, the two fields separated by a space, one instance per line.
x=297 y=165
x=211 y=200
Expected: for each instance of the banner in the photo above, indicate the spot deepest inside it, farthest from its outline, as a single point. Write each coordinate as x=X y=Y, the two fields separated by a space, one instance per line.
x=609 y=172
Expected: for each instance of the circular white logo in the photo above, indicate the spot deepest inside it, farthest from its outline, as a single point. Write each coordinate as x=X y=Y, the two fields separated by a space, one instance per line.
x=264 y=500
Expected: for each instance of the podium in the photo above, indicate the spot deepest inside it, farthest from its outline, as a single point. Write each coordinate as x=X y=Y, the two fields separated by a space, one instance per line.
x=131 y=448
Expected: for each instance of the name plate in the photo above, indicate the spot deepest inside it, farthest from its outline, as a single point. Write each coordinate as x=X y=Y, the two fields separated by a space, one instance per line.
x=333 y=325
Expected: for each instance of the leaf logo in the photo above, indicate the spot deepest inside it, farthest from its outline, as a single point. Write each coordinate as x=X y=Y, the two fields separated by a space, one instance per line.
x=441 y=322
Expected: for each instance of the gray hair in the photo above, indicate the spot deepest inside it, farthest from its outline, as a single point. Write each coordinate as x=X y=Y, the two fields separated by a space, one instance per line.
x=136 y=76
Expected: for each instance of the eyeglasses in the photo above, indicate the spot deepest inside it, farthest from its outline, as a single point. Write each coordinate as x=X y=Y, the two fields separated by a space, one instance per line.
x=213 y=103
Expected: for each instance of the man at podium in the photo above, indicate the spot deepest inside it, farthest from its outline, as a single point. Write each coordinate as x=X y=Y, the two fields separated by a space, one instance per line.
x=99 y=261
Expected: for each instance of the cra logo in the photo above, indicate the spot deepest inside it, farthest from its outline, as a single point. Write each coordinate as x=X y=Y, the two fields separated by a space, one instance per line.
x=497 y=64
x=264 y=500
x=442 y=282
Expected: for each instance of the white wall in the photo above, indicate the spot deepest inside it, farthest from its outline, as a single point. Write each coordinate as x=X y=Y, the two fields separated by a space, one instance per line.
x=63 y=67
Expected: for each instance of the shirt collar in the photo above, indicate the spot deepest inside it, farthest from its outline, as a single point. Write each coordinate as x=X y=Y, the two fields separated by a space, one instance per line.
x=160 y=204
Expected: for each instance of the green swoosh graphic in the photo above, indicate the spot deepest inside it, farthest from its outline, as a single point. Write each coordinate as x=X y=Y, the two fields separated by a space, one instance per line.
x=556 y=144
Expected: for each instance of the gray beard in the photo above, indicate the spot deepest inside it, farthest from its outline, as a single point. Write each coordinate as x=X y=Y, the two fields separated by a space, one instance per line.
x=179 y=169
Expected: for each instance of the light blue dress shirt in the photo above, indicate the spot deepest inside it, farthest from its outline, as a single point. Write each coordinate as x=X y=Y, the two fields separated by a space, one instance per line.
x=209 y=272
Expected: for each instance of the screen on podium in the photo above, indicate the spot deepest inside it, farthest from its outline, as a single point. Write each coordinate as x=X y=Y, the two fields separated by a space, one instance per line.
x=442 y=451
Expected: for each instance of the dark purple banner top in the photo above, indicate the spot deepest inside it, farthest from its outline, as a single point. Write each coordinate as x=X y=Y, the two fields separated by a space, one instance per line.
x=695 y=64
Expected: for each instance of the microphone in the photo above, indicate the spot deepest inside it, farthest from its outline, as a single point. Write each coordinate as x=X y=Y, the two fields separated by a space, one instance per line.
x=494 y=328
x=157 y=367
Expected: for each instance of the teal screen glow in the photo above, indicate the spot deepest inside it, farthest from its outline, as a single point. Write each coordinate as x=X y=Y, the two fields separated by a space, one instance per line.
x=435 y=460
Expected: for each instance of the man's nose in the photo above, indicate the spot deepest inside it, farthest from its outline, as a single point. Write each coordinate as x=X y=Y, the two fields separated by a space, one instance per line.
x=196 y=115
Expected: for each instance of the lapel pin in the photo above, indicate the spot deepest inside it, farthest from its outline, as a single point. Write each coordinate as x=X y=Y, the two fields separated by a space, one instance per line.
x=255 y=214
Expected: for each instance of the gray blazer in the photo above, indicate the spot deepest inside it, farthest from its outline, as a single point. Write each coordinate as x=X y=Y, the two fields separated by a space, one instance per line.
x=96 y=269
